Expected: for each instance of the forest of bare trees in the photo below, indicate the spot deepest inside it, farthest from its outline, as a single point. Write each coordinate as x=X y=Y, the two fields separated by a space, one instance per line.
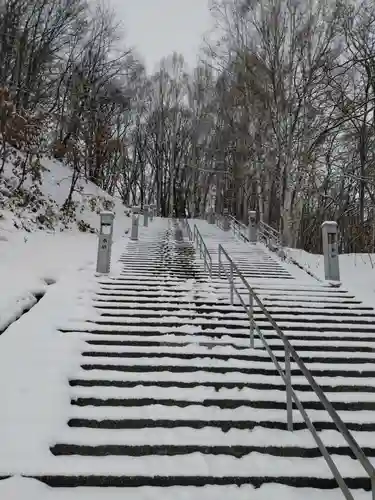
x=278 y=117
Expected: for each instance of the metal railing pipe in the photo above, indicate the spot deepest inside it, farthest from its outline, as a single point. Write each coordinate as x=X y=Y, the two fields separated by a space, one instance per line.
x=203 y=251
x=291 y=396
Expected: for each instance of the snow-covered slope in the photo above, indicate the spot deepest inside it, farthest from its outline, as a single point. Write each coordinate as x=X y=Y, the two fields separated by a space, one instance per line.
x=38 y=246
x=357 y=271
x=40 y=205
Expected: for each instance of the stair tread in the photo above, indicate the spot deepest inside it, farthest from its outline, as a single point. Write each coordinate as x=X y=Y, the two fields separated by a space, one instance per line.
x=198 y=412
x=197 y=464
x=208 y=437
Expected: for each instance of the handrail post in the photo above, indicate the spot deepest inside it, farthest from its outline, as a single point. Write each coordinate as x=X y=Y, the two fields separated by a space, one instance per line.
x=288 y=387
x=251 y=318
x=286 y=374
x=231 y=284
x=219 y=255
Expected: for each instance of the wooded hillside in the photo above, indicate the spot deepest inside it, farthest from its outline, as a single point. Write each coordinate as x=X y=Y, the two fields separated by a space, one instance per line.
x=278 y=117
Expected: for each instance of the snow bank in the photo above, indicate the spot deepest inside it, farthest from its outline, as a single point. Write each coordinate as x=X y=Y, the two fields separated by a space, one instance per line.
x=31 y=259
x=357 y=271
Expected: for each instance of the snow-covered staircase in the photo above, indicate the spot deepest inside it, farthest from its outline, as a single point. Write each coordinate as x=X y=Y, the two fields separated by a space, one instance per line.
x=254 y=261
x=169 y=392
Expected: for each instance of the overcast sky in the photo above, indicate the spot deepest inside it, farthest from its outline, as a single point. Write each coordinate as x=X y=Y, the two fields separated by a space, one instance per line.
x=158 y=27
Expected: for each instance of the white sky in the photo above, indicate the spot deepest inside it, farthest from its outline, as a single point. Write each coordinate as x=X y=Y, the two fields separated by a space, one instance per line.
x=158 y=27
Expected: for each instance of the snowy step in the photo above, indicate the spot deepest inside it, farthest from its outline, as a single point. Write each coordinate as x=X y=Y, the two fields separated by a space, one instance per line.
x=224 y=404
x=308 y=345
x=234 y=379
x=208 y=437
x=261 y=368
x=304 y=345
x=170 y=450
x=111 y=480
x=110 y=310
x=207 y=333
x=208 y=393
x=17 y=485
x=182 y=287
x=209 y=360
x=217 y=354
x=263 y=325
x=224 y=305
x=199 y=465
x=187 y=311
x=197 y=421
x=280 y=300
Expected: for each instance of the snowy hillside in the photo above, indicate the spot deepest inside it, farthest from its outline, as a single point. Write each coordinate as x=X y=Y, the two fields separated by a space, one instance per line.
x=39 y=206
x=357 y=271
x=37 y=244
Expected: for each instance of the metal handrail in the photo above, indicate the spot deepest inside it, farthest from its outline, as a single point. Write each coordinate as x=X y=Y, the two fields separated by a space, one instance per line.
x=269 y=233
x=291 y=395
x=189 y=232
x=203 y=251
x=266 y=232
x=239 y=228
x=219 y=221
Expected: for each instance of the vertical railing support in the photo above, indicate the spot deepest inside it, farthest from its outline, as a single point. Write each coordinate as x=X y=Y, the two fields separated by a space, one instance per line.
x=220 y=262
x=251 y=318
x=288 y=386
x=231 y=284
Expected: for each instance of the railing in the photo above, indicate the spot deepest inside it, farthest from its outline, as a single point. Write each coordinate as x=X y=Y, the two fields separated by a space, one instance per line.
x=219 y=221
x=285 y=374
x=239 y=229
x=269 y=234
x=272 y=239
x=203 y=251
x=186 y=225
x=266 y=232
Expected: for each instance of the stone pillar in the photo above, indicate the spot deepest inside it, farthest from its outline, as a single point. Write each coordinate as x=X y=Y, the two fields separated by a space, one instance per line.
x=103 y=263
x=330 y=251
x=226 y=221
x=253 y=230
x=145 y=215
x=135 y=224
x=178 y=233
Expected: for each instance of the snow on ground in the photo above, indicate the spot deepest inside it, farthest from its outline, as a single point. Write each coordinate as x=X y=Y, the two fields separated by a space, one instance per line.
x=29 y=262
x=31 y=259
x=35 y=358
x=18 y=488
x=37 y=407
x=357 y=271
